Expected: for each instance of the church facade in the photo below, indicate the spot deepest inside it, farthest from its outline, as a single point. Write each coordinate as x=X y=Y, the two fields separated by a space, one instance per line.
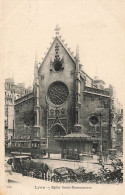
x=67 y=112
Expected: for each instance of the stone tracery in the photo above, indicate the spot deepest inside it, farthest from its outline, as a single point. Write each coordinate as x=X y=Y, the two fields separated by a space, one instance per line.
x=58 y=93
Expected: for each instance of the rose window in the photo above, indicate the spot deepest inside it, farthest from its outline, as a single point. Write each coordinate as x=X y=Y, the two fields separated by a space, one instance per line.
x=93 y=120
x=58 y=93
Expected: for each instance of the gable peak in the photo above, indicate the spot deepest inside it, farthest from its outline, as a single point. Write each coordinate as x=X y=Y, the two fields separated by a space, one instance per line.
x=61 y=40
x=57 y=29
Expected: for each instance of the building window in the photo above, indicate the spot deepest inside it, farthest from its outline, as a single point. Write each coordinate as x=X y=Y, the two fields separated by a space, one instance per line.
x=62 y=111
x=27 y=122
x=93 y=120
x=13 y=144
x=57 y=66
x=58 y=93
x=51 y=111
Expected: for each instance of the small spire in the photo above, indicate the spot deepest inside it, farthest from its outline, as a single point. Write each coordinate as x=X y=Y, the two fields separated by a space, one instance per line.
x=57 y=29
x=35 y=68
x=36 y=61
x=77 y=53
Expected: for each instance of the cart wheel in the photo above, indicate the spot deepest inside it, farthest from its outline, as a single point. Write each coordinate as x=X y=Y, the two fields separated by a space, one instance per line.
x=55 y=178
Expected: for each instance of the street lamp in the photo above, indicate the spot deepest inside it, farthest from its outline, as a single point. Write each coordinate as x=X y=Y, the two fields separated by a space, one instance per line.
x=100 y=117
x=13 y=129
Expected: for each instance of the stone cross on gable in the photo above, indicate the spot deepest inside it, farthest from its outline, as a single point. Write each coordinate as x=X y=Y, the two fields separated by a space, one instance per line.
x=57 y=29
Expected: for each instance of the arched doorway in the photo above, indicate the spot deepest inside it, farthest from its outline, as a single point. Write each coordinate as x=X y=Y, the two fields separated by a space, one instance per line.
x=53 y=145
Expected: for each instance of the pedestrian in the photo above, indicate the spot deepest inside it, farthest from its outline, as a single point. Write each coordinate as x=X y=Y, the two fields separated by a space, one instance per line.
x=105 y=155
x=93 y=151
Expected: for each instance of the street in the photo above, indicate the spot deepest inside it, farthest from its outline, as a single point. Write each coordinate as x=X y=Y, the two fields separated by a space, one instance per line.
x=13 y=177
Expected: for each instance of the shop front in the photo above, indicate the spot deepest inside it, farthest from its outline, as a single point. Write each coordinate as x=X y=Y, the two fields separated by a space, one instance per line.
x=76 y=146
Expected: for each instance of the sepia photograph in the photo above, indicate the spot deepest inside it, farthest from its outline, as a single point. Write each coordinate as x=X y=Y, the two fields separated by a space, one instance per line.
x=63 y=94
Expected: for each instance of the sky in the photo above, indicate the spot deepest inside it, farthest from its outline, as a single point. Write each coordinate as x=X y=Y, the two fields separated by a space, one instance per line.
x=96 y=26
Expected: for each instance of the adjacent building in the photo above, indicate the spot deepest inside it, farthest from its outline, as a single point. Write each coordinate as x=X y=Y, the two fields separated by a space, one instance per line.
x=12 y=92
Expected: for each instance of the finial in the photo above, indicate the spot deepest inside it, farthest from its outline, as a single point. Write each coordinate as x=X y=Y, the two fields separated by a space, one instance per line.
x=36 y=60
x=57 y=30
x=77 y=53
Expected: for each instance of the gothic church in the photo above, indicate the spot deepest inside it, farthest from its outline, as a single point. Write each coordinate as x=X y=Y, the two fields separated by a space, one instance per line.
x=67 y=110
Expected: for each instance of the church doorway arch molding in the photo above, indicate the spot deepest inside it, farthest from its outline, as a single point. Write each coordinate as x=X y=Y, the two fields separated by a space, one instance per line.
x=54 y=145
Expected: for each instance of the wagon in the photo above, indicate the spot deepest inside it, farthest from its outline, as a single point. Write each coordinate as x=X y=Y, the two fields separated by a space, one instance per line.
x=63 y=174
x=17 y=162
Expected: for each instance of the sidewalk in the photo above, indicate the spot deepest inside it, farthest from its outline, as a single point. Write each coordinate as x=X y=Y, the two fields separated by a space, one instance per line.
x=92 y=161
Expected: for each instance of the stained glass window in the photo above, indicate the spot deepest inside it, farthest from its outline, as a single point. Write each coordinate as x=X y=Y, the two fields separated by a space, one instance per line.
x=58 y=93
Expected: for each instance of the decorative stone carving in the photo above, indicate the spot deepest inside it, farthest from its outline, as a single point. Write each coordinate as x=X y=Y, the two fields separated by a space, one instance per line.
x=58 y=64
x=58 y=93
x=62 y=111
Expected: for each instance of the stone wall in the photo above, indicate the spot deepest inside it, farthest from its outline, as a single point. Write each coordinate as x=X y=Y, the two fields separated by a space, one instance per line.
x=46 y=77
x=24 y=118
x=94 y=105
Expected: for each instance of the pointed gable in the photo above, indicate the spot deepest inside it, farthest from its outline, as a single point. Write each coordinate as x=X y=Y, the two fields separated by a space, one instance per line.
x=58 y=39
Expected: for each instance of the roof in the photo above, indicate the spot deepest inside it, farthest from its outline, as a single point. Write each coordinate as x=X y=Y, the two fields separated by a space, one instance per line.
x=83 y=72
x=21 y=156
x=73 y=136
x=77 y=135
x=61 y=41
x=68 y=51
x=99 y=81
x=26 y=140
x=24 y=98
